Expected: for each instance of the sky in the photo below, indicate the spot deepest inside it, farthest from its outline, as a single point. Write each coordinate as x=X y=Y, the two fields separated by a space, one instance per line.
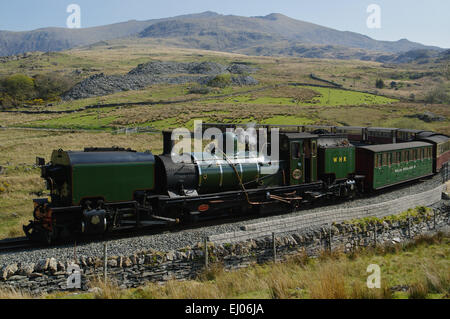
x=425 y=21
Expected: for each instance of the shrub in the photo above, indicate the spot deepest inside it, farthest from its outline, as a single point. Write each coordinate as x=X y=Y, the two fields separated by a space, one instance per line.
x=51 y=86
x=379 y=84
x=437 y=95
x=199 y=90
x=7 y=102
x=4 y=187
x=20 y=87
x=221 y=81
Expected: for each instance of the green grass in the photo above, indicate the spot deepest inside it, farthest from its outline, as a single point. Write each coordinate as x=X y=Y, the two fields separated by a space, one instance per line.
x=328 y=97
x=83 y=120
x=288 y=120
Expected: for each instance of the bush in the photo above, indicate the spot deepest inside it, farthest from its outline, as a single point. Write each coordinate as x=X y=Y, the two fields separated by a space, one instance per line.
x=51 y=86
x=7 y=102
x=379 y=84
x=199 y=90
x=4 y=187
x=19 y=87
x=437 y=95
x=220 y=81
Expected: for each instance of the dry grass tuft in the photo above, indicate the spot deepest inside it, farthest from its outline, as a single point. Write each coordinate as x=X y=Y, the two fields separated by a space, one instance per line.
x=212 y=272
x=328 y=282
x=102 y=290
x=359 y=290
x=418 y=290
x=12 y=293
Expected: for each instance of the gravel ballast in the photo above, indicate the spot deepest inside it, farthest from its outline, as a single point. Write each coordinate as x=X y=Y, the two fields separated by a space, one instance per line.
x=190 y=237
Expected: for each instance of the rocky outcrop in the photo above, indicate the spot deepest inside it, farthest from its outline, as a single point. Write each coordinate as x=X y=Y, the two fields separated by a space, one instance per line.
x=428 y=117
x=159 y=72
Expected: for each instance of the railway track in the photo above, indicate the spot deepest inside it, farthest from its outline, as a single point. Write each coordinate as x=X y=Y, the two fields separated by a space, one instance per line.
x=22 y=243
x=15 y=244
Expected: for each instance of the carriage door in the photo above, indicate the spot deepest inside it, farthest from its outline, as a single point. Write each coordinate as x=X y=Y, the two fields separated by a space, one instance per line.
x=313 y=161
x=296 y=163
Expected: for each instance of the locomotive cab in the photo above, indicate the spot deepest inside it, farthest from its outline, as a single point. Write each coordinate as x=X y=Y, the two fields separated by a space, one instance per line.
x=300 y=151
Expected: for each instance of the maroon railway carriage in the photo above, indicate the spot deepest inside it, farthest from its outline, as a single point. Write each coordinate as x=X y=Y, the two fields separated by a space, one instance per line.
x=355 y=134
x=381 y=135
x=441 y=148
x=407 y=135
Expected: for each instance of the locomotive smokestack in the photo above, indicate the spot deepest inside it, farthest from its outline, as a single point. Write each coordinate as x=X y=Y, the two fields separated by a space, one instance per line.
x=167 y=142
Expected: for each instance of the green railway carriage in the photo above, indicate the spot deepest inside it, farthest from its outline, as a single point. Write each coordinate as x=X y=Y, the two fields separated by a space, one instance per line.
x=336 y=158
x=389 y=164
x=113 y=176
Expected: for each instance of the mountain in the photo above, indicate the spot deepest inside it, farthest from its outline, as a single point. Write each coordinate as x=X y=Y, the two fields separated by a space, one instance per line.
x=271 y=34
x=230 y=32
x=57 y=39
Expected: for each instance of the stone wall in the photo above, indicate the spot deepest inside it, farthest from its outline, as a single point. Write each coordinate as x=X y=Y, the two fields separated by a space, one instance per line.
x=49 y=275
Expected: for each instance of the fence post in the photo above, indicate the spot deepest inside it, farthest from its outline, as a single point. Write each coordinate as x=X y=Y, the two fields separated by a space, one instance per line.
x=75 y=253
x=434 y=218
x=375 y=234
x=105 y=261
x=205 y=242
x=274 y=246
x=331 y=235
x=409 y=227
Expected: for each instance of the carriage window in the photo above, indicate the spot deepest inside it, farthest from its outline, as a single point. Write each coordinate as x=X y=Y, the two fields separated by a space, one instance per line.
x=391 y=158
x=380 y=160
x=295 y=150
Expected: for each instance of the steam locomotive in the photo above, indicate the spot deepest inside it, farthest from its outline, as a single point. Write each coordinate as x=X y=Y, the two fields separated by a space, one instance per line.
x=100 y=190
